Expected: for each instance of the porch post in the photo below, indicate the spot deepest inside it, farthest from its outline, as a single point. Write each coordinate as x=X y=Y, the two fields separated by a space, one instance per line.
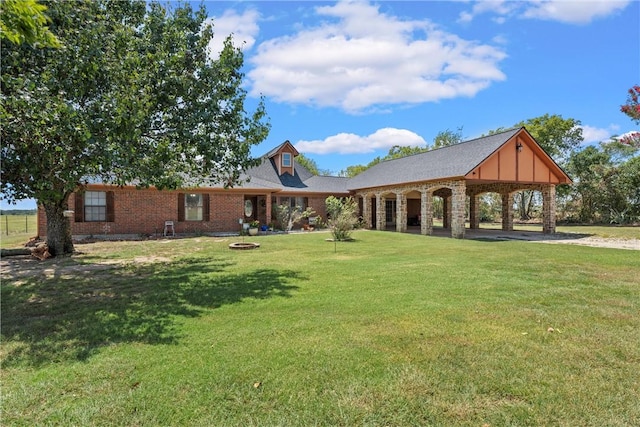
x=458 y=199
x=446 y=212
x=426 y=213
x=507 y=211
x=474 y=211
x=268 y=208
x=381 y=215
x=366 y=209
x=401 y=212
x=549 y=209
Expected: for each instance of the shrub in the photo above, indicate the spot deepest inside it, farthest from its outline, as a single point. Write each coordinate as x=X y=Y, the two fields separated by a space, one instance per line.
x=342 y=216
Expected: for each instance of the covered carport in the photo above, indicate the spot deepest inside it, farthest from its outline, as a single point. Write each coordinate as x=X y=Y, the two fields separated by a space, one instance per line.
x=503 y=163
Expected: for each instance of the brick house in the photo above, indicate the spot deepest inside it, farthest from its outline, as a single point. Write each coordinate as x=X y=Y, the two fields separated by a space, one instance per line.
x=393 y=194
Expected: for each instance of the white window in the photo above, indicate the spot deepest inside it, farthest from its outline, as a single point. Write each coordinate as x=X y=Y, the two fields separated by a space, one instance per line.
x=95 y=206
x=193 y=207
x=286 y=160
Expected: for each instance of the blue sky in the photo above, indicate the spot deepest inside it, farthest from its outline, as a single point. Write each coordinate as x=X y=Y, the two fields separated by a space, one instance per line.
x=345 y=81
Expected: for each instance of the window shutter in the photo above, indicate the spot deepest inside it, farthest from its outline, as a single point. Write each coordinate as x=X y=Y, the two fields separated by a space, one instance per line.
x=79 y=207
x=180 y=206
x=205 y=207
x=111 y=214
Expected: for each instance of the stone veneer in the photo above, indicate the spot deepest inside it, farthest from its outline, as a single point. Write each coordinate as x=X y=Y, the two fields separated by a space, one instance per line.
x=454 y=204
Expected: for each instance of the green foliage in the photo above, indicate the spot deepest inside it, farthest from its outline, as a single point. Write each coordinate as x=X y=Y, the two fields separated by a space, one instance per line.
x=311 y=165
x=288 y=216
x=342 y=216
x=606 y=188
x=447 y=137
x=24 y=21
x=395 y=152
x=132 y=96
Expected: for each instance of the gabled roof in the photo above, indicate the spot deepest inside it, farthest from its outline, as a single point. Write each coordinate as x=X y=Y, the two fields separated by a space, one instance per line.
x=280 y=147
x=266 y=175
x=453 y=161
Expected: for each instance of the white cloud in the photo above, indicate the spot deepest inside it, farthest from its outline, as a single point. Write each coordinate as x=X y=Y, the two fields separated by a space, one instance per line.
x=567 y=11
x=349 y=143
x=573 y=11
x=361 y=58
x=244 y=29
x=592 y=135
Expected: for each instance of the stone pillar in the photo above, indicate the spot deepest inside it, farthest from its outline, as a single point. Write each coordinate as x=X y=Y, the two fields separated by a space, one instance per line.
x=401 y=212
x=507 y=211
x=474 y=211
x=457 y=209
x=549 y=209
x=426 y=213
x=366 y=209
x=446 y=212
x=381 y=214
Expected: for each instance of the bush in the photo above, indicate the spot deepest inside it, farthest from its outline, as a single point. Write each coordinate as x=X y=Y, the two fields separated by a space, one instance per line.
x=342 y=216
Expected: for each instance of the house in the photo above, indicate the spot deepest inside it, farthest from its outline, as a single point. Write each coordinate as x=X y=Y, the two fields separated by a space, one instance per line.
x=393 y=193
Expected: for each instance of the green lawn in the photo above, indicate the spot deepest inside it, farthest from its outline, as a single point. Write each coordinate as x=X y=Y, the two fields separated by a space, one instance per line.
x=16 y=230
x=392 y=329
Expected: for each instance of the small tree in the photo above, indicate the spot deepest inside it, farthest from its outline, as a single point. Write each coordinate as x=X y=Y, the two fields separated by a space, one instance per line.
x=343 y=216
x=287 y=216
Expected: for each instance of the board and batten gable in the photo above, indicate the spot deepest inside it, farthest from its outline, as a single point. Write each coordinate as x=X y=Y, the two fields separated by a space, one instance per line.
x=519 y=160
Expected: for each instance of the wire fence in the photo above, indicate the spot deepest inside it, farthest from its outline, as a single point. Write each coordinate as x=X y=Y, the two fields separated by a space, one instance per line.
x=15 y=224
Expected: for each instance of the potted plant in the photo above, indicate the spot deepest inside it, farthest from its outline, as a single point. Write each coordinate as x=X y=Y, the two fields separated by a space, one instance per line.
x=253 y=227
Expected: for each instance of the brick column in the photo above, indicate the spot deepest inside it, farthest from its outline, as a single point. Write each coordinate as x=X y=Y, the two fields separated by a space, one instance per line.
x=381 y=214
x=474 y=211
x=549 y=209
x=401 y=212
x=268 y=207
x=457 y=206
x=426 y=213
x=507 y=211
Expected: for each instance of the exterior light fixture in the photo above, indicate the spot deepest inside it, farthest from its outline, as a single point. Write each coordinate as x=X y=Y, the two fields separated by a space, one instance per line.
x=519 y=147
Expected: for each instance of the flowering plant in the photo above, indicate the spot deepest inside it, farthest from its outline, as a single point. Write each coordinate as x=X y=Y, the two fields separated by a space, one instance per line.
x=254 y=224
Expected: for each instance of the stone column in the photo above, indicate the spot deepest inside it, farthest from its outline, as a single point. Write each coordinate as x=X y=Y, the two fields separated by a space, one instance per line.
x=401 y=212
x=366 y=209
x=446 y=212
x=381 y=215
x=426 y=213
x=458 y=199
x=549 y=209
x=507 y=211
x=474 y=211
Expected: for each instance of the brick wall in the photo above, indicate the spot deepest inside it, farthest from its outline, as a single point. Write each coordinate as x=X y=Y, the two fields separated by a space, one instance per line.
x=144 y=211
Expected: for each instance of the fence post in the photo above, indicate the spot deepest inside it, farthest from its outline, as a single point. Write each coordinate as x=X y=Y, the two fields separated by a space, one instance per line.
x=26 y=224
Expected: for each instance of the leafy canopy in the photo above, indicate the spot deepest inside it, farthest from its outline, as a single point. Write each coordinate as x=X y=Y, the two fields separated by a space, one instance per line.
x=133 y=95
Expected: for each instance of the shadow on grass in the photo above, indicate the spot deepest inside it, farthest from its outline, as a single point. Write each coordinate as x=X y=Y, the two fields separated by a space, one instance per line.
x=72 y=312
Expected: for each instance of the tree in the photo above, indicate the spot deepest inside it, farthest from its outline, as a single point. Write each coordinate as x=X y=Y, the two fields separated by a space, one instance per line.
x=395 y=152
x=447 y=137
x=559 y=137
x=342 y=216
x=133 y=96
x=24 y=21
x=311 y=165
x=632 y=109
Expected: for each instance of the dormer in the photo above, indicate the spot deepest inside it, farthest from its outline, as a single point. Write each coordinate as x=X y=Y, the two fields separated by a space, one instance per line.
x=283 y=157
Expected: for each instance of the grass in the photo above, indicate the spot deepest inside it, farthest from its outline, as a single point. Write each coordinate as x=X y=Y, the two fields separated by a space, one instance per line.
x=16 y=230
x=392 y=329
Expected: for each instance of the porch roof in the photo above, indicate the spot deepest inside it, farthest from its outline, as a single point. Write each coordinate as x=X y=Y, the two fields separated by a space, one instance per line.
x=443 y=163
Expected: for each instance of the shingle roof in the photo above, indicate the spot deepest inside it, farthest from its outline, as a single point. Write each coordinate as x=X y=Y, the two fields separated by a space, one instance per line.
x=447 y=162
x=266 y=175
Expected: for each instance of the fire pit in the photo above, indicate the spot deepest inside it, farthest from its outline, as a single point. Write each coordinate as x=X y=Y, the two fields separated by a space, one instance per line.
x=244 y=245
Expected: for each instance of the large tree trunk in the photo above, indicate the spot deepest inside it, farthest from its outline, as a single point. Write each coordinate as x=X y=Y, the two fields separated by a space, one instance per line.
x=58 y=228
